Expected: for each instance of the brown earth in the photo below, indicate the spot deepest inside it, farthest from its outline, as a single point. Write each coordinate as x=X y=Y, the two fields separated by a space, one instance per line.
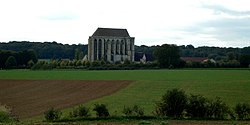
x=29 y=98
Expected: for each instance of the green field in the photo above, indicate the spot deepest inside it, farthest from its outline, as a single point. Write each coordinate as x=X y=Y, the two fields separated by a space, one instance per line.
x=231 y=85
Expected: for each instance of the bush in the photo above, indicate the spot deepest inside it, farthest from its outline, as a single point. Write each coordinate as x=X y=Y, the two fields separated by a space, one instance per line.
x=197 y=106
x=218 y=109
x=80 y=111
x=242 y=110
x=52 y=114
x=5 y=115
x=41 y=65
x=133 y=111
x=101 y=110
x=172 y=103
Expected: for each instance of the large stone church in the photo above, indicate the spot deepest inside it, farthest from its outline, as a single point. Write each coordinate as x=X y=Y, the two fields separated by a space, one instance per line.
x=111 y=45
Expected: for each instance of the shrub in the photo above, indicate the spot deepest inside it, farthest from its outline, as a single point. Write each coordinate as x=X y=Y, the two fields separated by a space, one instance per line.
x=242 y=110
x=172 y=103
x=218 y=109
x=80 y=111
x=5 y=115
x=138 y=110
x=128 y=111
x=133 y=111
x=52 y=114
x=101 y=110
x=197 y=106
x=42 y=65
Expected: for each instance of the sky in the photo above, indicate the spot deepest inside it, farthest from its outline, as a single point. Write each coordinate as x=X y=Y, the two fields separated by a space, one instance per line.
x=222 y=23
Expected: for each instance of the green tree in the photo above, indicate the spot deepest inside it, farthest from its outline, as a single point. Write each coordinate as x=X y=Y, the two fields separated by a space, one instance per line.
x=32 y=55
x=10 y=62
x=78 y=54
x=167 y=55
x=245 y=60
x=172 y=103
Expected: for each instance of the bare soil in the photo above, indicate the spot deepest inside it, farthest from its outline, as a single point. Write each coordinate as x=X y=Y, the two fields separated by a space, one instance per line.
x=29 y=98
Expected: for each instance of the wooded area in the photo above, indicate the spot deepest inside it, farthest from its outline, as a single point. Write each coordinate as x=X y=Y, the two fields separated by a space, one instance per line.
x=26 y=53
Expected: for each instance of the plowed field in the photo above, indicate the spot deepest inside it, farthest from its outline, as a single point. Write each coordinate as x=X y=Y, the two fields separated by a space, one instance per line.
x=33 y=97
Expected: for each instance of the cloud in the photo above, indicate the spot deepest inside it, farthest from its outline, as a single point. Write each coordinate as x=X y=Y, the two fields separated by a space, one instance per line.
x=221 y=31
x=219 y=10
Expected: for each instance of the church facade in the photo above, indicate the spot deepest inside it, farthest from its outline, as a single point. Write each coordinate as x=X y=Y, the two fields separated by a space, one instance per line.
x=111 y=45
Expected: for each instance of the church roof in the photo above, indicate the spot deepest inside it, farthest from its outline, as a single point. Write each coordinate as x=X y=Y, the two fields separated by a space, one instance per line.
x=111 y=32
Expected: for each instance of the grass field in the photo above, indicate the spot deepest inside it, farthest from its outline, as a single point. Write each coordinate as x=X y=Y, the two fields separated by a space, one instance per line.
x=231 y=85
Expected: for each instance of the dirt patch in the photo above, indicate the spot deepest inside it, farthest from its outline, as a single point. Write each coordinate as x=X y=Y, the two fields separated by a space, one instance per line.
x=29 y=98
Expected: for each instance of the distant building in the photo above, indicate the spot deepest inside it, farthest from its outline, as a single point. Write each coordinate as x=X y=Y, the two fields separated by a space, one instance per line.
x=143 y=60
x=197 y=59
x=194 y=59
x=111 y=45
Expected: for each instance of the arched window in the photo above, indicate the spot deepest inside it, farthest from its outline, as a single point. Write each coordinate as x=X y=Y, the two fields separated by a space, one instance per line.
x=117 y=46
x=99 y=49
x=95 y=49
x=121 y=47
x=112 y=47
x=126 y=48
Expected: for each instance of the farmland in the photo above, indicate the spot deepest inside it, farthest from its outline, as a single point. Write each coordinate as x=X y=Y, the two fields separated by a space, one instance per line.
x=148 y=85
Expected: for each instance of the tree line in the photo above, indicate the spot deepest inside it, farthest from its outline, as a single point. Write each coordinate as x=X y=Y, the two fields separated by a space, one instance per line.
x=50 y=50
x=225 y=57
x=22 y=59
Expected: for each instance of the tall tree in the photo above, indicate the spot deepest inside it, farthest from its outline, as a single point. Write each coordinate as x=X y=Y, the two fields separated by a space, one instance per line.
x=10 y=62
x=245 y=60
x=167 y=55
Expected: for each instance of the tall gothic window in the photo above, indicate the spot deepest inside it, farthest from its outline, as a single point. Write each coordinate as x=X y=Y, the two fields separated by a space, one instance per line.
x=100 y=49
x=121 y=47
x=95 y=49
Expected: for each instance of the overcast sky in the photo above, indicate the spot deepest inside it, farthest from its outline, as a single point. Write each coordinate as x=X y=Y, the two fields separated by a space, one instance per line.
x=224 y=23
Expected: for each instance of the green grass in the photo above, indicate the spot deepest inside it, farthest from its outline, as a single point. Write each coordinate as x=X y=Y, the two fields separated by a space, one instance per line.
x=232 y=86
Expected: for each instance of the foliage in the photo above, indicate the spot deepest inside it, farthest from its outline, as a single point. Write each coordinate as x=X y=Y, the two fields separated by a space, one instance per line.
x=167 y=55
x=10 y=62
x=245 y=60
x=197 y=106
x=22 y=58
x=52 y=114
x=200 y=107
x=30 y=63
x=47 y=50
x=101 y=110
x=54 y=50
x=133 y=111
x=218 y=109
x=42 y=65
x=242 y=110
x=78 y=54
x=172 y=104
x=80 y=111
x=5 y=115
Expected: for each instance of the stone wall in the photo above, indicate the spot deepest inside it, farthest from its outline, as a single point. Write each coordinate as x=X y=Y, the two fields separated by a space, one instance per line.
x=110 y=49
